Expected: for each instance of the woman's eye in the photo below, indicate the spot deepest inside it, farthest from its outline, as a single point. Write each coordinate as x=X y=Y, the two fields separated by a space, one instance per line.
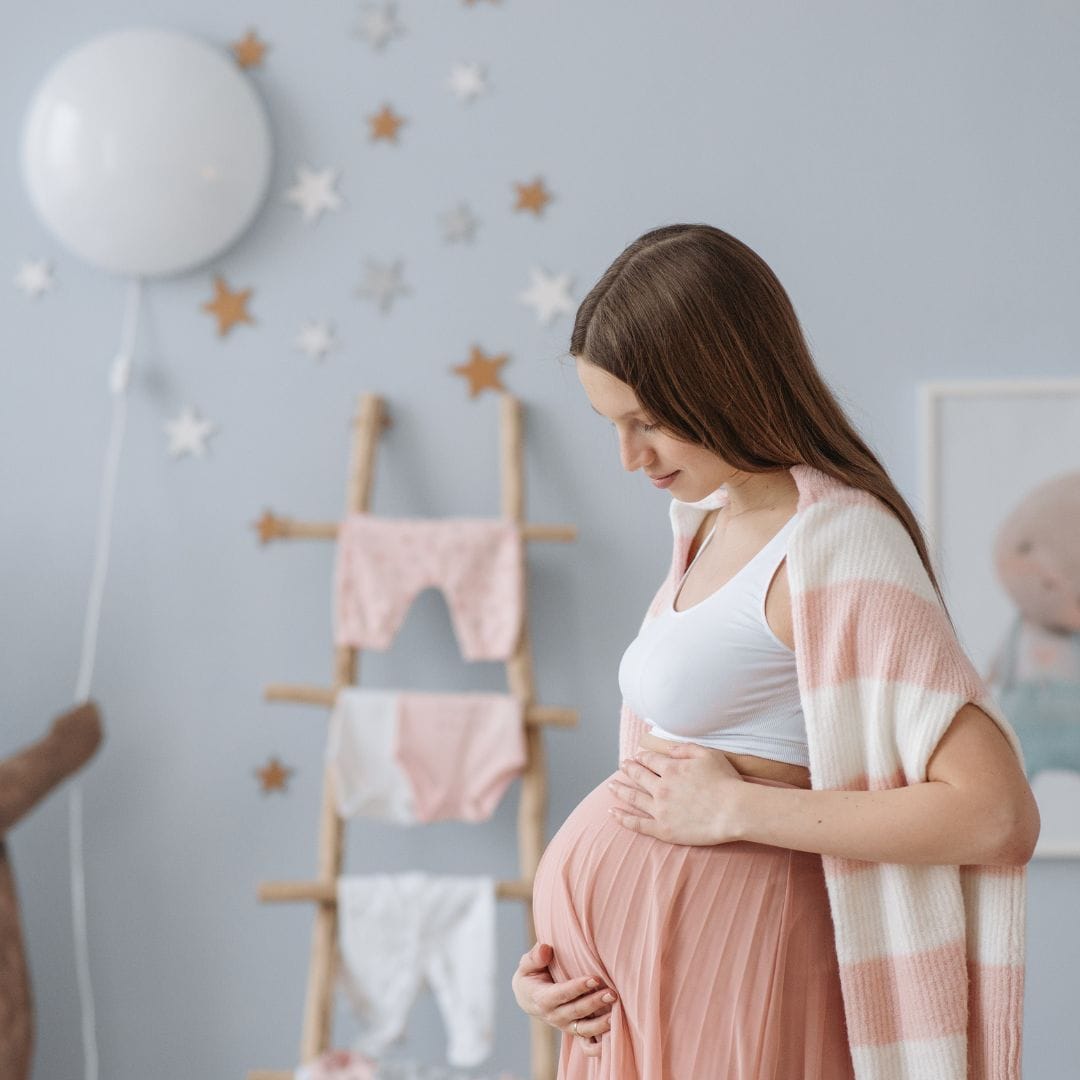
x=644 y=427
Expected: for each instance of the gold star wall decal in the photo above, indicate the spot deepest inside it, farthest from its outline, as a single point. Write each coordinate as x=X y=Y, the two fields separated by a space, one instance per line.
x=229 y=307
x=385 y=124
x=269 y=527
x=482 y=371
x=532 y=196
x=274 y=776
x=249 y=50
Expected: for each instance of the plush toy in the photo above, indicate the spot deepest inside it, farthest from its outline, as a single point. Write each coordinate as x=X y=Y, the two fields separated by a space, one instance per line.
x=26 y=778
x=1036 y=671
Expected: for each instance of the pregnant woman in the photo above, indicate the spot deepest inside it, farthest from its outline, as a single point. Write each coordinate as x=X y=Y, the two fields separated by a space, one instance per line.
x=817 y=794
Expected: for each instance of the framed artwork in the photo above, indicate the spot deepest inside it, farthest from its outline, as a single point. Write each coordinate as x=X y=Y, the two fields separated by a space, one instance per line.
x=1000 y=497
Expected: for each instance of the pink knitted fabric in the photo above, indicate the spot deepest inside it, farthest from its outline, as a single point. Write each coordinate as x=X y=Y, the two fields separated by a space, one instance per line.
x=931 y=956
x=383 y=563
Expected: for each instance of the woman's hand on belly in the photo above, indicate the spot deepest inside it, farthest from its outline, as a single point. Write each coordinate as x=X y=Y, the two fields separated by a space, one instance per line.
x=745 y=764
x=563 y=1004
x=688 y=794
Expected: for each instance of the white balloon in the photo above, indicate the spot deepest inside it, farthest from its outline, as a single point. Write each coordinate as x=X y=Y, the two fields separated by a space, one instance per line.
x=146 y=151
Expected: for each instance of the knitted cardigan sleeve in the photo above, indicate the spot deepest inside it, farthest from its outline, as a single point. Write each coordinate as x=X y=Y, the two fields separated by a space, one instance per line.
x=931 y=956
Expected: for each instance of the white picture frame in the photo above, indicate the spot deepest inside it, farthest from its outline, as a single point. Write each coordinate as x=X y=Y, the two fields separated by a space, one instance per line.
x=983 y=444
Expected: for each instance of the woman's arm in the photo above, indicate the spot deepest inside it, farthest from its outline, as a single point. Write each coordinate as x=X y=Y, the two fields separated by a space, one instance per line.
x=976 y=806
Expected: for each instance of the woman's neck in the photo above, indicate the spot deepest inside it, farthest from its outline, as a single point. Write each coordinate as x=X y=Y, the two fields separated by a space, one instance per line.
x=756 y=493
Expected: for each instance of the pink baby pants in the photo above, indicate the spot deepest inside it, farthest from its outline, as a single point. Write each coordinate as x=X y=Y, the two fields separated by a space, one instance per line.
x=383 y=563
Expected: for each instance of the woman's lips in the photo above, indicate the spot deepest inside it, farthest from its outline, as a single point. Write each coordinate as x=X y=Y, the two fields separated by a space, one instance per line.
x=664 y=481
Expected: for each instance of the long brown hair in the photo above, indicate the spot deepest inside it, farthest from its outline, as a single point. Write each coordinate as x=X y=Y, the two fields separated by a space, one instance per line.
x=698 y=325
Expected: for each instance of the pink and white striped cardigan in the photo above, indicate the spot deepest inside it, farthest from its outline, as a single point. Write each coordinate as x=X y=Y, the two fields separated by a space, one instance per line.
x=931 y=956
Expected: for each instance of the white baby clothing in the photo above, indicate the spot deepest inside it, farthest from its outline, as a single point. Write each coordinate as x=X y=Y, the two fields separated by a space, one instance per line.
x=360 y=744
x=395 y=930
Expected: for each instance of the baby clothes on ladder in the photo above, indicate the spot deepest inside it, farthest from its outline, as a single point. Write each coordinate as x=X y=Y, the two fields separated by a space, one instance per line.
x=382 y=563
x=395 y=930
x=414 y=756
x=360 y=753
x=337 y=1065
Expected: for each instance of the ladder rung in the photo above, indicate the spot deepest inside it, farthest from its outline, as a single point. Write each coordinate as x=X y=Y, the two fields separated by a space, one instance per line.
x=272 y=527
x=326 y=892
x=535 y=715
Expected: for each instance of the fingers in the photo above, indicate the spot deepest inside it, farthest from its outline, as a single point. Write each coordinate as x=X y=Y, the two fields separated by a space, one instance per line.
x=537 y=958
x=651 y=761
x=586 y=1000
x=590 y=1028
x=571 y=993
x=590 y=1009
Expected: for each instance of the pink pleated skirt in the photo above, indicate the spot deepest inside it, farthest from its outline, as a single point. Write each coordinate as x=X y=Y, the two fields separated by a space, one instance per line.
x=723 y=956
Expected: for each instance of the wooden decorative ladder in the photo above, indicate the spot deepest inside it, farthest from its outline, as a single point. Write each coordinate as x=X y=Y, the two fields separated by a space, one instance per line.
x=370 y=421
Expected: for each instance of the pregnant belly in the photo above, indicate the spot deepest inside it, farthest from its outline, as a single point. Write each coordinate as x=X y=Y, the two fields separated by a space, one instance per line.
x=596 y=876
x=690 y=937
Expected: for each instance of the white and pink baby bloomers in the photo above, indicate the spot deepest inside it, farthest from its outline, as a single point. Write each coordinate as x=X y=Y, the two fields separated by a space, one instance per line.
x=412 y=756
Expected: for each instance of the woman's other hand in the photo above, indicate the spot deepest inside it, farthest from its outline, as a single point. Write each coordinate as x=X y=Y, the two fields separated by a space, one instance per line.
x=561 y=1003
x=690 y=794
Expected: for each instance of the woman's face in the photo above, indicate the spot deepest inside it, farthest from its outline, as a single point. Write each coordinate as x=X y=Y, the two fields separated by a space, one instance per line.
x=642 y=445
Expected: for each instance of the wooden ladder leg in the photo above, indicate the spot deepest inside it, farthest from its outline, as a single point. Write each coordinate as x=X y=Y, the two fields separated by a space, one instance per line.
x=319 y=1004
x=532 y=808
x=370 y=421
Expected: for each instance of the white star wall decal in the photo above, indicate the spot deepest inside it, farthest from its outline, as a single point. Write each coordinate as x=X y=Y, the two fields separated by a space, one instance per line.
x=549 y=294
x=34 y=277
x=378 y=26
x=314 y=192
x=188 y=434
x=383 y=282
x=315 y=339
x=467 y=81
x=459 y=224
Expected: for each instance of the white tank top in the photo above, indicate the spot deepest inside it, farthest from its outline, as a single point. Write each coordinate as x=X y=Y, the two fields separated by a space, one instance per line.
x=715 y=673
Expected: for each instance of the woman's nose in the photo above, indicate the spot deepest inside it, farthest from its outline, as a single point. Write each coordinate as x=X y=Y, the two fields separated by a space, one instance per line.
x=632 y=454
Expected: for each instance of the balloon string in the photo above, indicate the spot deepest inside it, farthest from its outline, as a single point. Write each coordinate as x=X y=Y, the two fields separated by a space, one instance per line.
x=119 y=376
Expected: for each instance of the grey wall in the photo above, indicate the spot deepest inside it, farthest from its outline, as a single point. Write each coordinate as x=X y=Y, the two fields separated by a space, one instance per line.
x=909 y=171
